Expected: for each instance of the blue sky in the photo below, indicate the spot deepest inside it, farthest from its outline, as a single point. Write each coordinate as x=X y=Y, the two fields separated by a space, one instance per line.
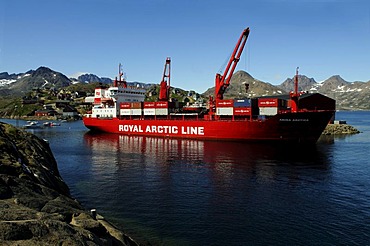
x=323 y=38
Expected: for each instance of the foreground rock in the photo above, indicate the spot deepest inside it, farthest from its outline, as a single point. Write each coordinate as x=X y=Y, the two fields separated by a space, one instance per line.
x=339 y=129
x=35 y=204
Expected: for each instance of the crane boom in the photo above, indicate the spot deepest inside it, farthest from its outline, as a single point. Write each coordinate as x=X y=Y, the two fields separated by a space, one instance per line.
x=223 y=81
x=164 y=86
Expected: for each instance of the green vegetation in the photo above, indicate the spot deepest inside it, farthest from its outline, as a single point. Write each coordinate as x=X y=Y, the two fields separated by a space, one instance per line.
x=32 y=101
x=176 y=94
x=88 y=88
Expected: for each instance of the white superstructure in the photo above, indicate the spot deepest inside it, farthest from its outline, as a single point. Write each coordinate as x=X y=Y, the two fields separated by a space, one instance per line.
x=107 y=100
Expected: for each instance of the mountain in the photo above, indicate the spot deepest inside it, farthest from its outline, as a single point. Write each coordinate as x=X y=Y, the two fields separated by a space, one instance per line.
x=92 y=78
x=42 y=77
x=256 y=87
x=88 y=78
x=305 y=83
x=355 y=95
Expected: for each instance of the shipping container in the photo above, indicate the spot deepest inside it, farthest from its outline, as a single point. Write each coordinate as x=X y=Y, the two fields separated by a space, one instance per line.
x=136 y=105
x=239 y=103
x=268 y=110
x=124 y=105
x=149 y=111
x=225 y=111
x=242 y=111
x=272 y=102
x=161 y=111
x=226 y=103
x=161 y=104
x=149 y=105
x=268 y=102
x=126 y=111
x=136 y=111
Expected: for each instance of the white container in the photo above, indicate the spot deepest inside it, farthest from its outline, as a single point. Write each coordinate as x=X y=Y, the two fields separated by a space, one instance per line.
x=161 y=111
x=136 y=111
x=149 y=111
x=225 y=111
x=268 y=110
x=125 y=111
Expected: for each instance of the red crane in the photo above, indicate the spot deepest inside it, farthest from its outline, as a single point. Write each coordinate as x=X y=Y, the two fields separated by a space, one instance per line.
x=164 y=86
x=223 y=81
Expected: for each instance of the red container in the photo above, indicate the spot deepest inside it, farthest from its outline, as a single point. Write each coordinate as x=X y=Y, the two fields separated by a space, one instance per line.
x=124 y=105
x=268 y=102
x=136 y=105
x=161 y=104
x=149 y=104
x=242 y=111
x=225 y=103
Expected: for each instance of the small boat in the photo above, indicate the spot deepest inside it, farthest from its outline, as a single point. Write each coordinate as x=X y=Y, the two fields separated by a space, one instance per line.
x=32 y=125
x=54 y=124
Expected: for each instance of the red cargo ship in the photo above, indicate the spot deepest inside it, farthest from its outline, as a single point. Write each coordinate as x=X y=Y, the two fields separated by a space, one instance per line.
x=297 y=117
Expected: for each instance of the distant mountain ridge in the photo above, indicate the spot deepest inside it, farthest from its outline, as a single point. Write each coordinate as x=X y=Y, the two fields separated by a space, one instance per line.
x=44 y=77
x=304 y=84
x=89 y=78
x=256 y=87
x=349 y=95
x=41 y=78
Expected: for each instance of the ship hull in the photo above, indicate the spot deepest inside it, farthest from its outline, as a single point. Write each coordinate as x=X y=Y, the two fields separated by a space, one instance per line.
x=301 y=127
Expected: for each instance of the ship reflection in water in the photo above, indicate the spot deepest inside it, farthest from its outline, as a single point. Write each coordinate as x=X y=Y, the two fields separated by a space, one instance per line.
x=188 y=192
x=222 y=157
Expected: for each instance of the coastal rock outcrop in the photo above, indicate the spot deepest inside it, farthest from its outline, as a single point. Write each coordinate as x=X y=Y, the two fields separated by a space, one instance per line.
x=36 y=207
x=339 y=129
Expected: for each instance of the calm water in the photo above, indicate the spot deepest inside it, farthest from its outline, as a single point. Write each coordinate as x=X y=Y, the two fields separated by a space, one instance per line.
x=181 y=192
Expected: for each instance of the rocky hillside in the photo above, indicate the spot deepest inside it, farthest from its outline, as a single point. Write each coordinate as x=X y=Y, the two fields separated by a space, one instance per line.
x=305 y=83
x=352 y=96
x=42 y=77
x=90 y=78
x=36 y=207
x=355 y=95
x=256 y=87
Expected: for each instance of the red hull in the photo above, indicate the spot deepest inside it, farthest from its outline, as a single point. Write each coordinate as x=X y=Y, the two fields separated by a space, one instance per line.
x=302 y=127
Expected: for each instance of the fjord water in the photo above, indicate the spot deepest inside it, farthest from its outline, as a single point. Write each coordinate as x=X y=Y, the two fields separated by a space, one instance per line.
x=185 y=192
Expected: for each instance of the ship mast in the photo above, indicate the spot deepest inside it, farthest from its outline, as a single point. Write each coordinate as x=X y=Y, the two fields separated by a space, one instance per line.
x=120 y=81
x=294 y=96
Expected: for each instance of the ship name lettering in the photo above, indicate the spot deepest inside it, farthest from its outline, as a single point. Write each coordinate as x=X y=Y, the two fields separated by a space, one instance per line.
x=192 y=130
x=130 y=128
x=162 y=129
x=185 y=130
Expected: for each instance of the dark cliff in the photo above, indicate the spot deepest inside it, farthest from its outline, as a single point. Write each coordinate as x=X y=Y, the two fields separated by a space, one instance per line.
x=35 y=204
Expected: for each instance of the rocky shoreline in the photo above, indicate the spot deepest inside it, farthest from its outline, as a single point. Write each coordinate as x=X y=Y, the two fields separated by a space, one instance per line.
x=36 y=207
x=339 y=129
